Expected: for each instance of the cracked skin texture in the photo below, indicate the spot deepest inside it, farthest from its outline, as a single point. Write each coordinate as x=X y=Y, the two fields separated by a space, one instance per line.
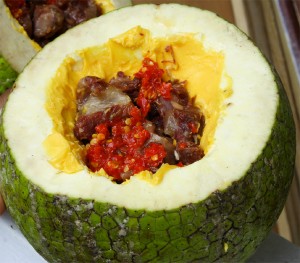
x=227 y=226
x=7 y=75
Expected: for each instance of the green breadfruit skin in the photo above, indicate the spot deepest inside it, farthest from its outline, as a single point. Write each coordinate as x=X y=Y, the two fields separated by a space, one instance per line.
x=227 y=226
x=7 y=75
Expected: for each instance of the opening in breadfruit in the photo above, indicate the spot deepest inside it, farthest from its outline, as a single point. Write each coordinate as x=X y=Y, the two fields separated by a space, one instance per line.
x=218 y=208
x=26 y=26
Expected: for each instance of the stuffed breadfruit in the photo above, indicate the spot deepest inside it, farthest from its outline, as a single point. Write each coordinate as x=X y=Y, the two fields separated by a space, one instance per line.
x=219 y=208
x=26 y=25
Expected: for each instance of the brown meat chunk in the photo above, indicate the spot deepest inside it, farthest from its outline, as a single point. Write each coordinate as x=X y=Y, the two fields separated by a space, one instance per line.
x=189 y=154
x=89 y=86
x=104 y=100
x=179 y=93
x=85 y=124
x=47 y=20
x=186 y=119
x=80 y=11
x=126 y=84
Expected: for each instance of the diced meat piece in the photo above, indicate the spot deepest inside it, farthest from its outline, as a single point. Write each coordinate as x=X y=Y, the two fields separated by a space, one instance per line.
x=179 y=93
x=106 y=99
x=163 y=106
x=180 y=123
x=62 y=3
x=85 y=124
x=126 y=84
x=190 y=153
x=47 y=20
x=89 y=86
x=188 y=122
x=165 y=119
x=96 y=103
x=94 y=94
x=80 y=11
x=118 y=112
x=165 y=110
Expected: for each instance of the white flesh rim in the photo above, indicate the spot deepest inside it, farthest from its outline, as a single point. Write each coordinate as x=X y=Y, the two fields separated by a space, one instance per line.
x=239 y=139
x=15 y=45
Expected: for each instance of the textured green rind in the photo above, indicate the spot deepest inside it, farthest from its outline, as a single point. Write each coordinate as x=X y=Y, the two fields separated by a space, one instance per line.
x=7 y=75
x=238 y=218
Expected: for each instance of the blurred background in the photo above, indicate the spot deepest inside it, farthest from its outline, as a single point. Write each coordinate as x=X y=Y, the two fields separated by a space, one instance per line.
x=274 y=25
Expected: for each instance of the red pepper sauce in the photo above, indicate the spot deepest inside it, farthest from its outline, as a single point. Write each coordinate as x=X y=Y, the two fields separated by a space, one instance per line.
x=120 y=146
x=152 y=85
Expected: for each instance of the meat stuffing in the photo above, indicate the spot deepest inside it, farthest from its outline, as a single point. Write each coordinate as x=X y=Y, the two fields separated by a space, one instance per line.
x=47 y=20
x=173 y=124
x=44 y=20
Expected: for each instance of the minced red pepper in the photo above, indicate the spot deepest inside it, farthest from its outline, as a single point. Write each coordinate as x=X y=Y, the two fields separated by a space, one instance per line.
x=152 y=85
x=119 y=147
